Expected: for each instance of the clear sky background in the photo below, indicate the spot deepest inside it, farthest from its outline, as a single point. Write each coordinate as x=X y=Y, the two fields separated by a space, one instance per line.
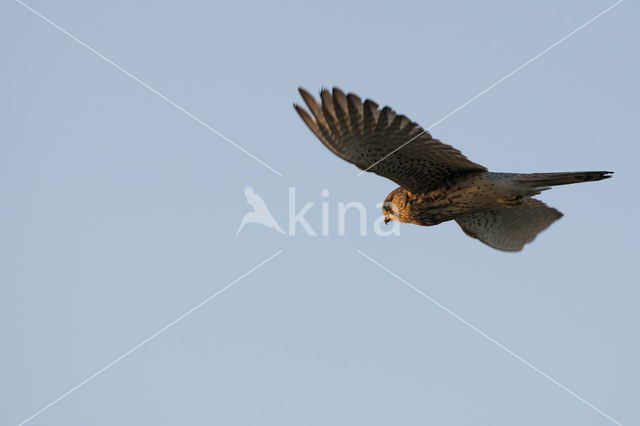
x=119 y=214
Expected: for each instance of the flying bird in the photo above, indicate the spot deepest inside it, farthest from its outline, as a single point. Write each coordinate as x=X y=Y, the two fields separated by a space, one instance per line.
x=260 y=213
x=437 y=182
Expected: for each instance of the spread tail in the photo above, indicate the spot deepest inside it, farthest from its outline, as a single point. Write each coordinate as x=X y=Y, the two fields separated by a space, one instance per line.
x=561 y=178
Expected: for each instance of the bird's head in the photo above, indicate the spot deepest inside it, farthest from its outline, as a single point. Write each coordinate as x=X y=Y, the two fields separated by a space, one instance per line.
x=394 y=205
x=389 y=211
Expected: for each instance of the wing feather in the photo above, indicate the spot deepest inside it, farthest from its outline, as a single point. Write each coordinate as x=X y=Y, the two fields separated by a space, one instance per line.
x=510 y=228
x=364 y=135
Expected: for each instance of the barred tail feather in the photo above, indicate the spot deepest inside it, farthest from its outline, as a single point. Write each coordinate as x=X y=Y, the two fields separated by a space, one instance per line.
x=561 y=178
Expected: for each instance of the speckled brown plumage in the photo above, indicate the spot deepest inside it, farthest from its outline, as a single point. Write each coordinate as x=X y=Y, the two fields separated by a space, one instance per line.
x=437 y=182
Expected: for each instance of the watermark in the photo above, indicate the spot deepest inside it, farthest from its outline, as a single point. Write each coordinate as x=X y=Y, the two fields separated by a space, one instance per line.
x=330 y=213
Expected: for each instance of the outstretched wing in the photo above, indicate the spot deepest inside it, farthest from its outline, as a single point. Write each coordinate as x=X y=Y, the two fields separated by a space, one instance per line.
x=510 y=228
x=365 y=136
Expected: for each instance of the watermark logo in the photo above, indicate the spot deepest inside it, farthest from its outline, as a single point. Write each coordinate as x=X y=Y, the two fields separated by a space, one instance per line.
x=260 y=214
x=297 y=217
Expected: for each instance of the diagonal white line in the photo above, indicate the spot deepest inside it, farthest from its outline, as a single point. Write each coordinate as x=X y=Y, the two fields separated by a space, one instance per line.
x=101 y=56
x=147 y=340
x=496 y=83
x=491 y=339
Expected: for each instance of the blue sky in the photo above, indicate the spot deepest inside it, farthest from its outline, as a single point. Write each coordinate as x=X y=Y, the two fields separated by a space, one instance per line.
x=120 y=213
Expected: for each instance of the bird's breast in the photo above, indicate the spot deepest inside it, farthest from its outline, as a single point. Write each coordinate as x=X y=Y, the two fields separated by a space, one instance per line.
x=452 y=201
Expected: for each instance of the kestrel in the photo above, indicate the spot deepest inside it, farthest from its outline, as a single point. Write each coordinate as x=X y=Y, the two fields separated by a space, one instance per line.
x=437 y=183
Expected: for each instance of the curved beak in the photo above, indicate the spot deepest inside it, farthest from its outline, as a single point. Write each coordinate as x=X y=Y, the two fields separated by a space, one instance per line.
x=387 y=220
